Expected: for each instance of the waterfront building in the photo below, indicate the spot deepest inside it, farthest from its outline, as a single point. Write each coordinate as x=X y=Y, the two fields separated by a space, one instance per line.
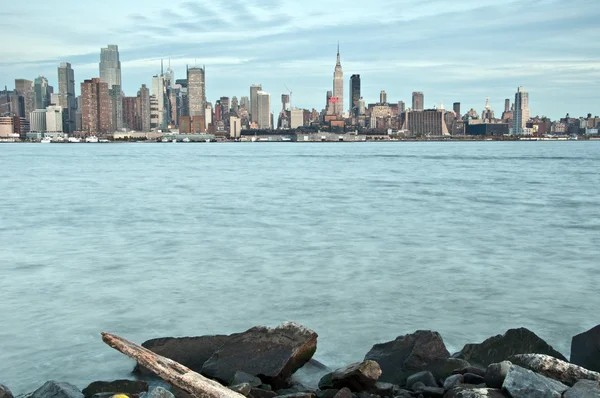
x=41 y=92
x=354 y=93
x=12 y=103
x=96 y=108
x=418 y=101
x=130 y=113
x=235 y=127
x=486 y=129
x=521 y=111
x=338 y=86
x=7 y=128
x=208 y=115
x=153 y=113
x=54 y=119
x=383 y=97
x=110 y=66
x=66 y=95
x=37 y=121
x=196 y=91
x=296 y=118
x=144 y=109
x=198 y=124
x=263 y=110
x=428 y=122
x=254 y=89
x=116 y=101
x=25 y=88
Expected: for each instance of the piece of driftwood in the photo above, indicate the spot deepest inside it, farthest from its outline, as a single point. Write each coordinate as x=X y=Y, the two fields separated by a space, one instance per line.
x=169 y=370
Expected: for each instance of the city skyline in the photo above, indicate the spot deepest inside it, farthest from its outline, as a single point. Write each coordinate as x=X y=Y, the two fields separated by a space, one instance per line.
x=546 y=46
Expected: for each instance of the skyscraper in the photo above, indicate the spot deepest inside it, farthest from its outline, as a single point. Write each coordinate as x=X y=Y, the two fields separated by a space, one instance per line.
x=263 y=105
x=245 y=103
x=41 y=92
x=144 y=108
x=383 y=97
x=338 y=86
x=507 y=105
x=54 y=119
x=401 y=107
x=196 y=91
x=418 y=99
x=254 y=89
x=116 y=112
x=25 y=88
x=110 y=66
x=521 y=112
x=95 y=107
x=159 y=92
x=66 y=95
x=456 y=109
x=354 y=92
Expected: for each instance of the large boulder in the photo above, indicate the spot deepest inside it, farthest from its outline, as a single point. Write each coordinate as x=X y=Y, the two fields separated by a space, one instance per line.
x=5 y=392
x=273 y=354
x=496 y=373
x=468 y=392
x=191 y=352
x=424 y=377
x=157 y=392
x=499 y=348
x=240 y=377
x=584 y=389
x=115 y=387
x=523 y=383
x=56 y=389
x=556 y=369
x=408 y=354
x=585 y=349
x=360 y=376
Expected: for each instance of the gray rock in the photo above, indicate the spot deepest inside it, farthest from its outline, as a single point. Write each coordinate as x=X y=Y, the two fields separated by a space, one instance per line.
x=433 y=392
x=401 y=393
x=266 y=387
x=470 y=369
x=365 y=394
x=585 y=349
x=556 y=369
x=329 y=393
x=443 y=368
x=501 y=347
x=106 y=395
x=5 y=392
x=115 y=387
x=298 y=395
x=260 y=393
x=471 y=378
x=424 y=377
x=453 y=381
x=383 y=389
x=57 y=389
x=523 y=383
x=240 y=377
x=418 y=386
x=475 y=393
x=344 y=393
x=273 y=354
x=243 y=388
x=584 y=389
x=157 y=392
x=360 y=376
x=496 y=373
x=408 y=354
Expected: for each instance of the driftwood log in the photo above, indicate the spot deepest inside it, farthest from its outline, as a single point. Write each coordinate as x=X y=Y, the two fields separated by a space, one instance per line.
x=169 y=370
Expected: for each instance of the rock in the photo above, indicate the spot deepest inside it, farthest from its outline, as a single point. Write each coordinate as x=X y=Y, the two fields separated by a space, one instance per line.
x=365 y=394
x=329 y=393
x=471 y=378
x=496 y=373
x=299 y=395
x=191 y=352
x=401 y=393
x=310 y=374
x=115 y=387
x=260 y=393
x=470 y=369
x=433 y=392
x=273 y=354
x=157 y=392
x=523 y=383
x=556 y=369
x=243 y=388
x=424 y=377
x=266 y=387
x=57 y=389
x=242 y=377
x=475 y=393
x=107 y=395
x=443 y=368
x=500 y=347
x=292 y=391
x=584 y=389
x=360 y=376
x=585 y=349
x=5 y=392
x=418 y=386
x=408 y=354
x=383 y=389
x=453 y=381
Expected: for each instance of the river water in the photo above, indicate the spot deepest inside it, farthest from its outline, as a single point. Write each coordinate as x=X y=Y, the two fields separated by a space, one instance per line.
x=360 y=242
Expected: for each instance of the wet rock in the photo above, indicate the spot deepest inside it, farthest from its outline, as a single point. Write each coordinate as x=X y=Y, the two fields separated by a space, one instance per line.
x=470 y=369
x=305 y=394
x=310 y=374
x=365 y=394
x=523 y=383
x=266 y=387
x=418 y=386
x=401 y=393
x=496 y=373
x=242 y=377
x=328 y=393
x=407 y=355
x=556 y=369
x=108 y=395
x=383 y=389
x=475 y=393
x=157 y=392
x=433 y=392
x=260 y=393
x=191 y=352
x=243 y=389
x=443 y=368
x=292 y=391
x=5 y=392
x=453 y=381
x=274 y=354
x=56 y=389
x=501 y=347
x=115 y=387
x=584 y=389
x=424 y=377
x=471 y=378
x=360 y=376
x=585 y=349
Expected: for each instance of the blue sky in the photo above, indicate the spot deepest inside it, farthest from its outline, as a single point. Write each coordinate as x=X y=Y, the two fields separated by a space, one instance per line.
x=462 y=50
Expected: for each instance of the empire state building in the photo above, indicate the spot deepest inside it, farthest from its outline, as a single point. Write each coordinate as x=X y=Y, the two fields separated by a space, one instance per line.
x=338 y=86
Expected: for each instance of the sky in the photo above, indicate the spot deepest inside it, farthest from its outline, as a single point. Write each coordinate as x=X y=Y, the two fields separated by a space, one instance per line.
x=453 y=51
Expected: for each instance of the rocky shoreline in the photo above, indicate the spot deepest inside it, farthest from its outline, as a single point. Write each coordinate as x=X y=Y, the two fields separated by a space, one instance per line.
x=277 y=362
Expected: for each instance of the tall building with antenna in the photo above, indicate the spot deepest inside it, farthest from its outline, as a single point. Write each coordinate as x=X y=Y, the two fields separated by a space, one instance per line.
x=196 y=91
x=338 y=86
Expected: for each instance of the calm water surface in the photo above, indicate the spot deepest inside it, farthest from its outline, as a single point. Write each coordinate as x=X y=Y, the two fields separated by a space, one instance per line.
x=360 y=242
